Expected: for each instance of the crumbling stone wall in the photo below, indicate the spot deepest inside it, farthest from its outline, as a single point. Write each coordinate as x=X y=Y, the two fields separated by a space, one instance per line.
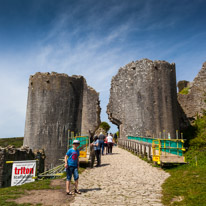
x=91 y=111
x=194 y=103
x=143 y=99
x=58 y=103
x=17 y=154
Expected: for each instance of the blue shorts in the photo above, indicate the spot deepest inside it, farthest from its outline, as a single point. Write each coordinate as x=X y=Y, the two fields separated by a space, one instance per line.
x=72 y=170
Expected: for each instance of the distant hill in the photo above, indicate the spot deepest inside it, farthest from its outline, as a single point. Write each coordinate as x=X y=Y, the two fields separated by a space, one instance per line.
x=15 y=141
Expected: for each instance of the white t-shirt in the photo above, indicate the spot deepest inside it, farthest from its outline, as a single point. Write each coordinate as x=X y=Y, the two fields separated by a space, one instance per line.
x=109 y=138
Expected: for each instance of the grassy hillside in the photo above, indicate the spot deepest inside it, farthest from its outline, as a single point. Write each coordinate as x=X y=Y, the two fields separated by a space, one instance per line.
x=15 y=141
x=187 y=183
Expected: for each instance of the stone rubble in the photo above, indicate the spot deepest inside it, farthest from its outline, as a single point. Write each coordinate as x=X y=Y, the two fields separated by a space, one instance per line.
x=123 y=179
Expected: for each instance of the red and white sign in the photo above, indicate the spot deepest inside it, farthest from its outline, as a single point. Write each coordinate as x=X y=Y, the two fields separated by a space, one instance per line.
x=23 y=172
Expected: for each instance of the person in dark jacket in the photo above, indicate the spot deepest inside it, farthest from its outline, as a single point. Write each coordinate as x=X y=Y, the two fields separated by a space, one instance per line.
x=101 y=142
x=97 y=150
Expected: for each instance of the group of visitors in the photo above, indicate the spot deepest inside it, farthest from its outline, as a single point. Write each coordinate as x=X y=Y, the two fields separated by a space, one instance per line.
x=102 y=143
x=72 y=158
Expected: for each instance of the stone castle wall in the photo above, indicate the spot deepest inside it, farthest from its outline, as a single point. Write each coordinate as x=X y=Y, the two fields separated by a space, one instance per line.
x=194 y=103
x=91 y=111
x=58 y=103
x=143 y=99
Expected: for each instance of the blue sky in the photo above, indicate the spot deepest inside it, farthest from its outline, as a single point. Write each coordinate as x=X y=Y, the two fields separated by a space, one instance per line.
x=93 y=38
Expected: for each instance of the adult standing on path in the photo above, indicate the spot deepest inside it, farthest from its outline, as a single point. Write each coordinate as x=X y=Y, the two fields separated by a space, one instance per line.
x=110 y=143
x=97 y=149
x=101 y=142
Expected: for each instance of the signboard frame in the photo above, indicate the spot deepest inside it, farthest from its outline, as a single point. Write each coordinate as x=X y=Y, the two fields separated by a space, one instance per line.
x=23 y=172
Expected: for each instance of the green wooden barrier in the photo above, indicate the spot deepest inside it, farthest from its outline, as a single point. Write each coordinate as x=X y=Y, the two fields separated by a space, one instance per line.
x=173 y=146
x=84 y=140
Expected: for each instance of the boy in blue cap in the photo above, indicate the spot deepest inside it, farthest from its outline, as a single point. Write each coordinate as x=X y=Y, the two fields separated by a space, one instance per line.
x=72 y=166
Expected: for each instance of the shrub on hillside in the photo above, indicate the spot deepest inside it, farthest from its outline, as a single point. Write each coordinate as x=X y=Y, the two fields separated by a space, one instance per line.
x=200 y=125
x=185 y=91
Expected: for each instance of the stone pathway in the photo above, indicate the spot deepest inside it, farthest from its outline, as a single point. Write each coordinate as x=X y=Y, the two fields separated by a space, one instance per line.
x=123 y=179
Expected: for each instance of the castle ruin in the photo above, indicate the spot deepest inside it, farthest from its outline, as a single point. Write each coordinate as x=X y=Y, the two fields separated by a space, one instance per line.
x=193 y=101
x=58 y=103
x=143 y=99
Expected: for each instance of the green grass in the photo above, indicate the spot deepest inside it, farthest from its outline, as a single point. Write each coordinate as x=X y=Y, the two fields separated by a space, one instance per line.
x=185 y=91
x=200 y=134
x=187 y=182
x=15 y=141
x=16 y=191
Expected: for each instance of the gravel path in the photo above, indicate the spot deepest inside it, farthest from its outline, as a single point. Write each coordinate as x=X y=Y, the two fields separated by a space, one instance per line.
x=123 y=179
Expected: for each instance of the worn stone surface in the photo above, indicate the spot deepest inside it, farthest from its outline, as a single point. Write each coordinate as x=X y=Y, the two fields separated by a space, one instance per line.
x=17 y=154
x=143 y=99
x=58 y=103
x=193 y=103
x=123 y=179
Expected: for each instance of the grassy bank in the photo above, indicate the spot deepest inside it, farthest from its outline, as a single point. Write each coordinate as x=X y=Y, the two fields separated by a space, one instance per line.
x=15 y=141
x=187 y=183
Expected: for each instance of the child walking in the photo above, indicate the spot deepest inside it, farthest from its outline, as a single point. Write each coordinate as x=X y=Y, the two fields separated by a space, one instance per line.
x=72 y=166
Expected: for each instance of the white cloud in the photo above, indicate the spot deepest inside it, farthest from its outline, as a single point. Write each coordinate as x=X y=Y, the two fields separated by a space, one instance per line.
x=91 y=50
x=13 y=105
x=89 y=58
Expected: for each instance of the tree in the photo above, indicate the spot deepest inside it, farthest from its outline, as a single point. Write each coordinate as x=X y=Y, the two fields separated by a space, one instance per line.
x=105 y=126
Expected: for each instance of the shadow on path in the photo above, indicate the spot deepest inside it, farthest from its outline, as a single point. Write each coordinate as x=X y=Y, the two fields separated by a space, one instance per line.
x=111 y=154
x=103 y=165
x=92 y=189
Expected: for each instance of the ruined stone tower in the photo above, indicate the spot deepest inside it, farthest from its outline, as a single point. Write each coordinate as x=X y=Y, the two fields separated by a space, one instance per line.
x=193 y=102
x=58 y=103
x=143 y=99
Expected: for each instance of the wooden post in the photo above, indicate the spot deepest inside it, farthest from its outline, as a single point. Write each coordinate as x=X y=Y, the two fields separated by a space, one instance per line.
x=140 y=148
x=145 y=150
x=176 y=134
x=136 y=148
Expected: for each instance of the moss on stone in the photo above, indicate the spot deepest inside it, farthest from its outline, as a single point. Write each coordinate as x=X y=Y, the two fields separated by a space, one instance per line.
x=185 y=91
